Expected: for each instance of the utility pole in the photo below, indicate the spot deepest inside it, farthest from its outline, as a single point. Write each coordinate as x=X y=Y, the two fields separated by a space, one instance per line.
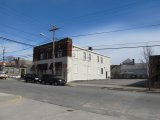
x=3 y=54
x=3 y=58
x=53 y=29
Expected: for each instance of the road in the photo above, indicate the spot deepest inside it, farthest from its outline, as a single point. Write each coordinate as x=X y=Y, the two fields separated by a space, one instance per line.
x=122 y=104
x=120 y=82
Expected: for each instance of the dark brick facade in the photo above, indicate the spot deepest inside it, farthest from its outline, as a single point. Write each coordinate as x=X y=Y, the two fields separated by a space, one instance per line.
x=63 y=48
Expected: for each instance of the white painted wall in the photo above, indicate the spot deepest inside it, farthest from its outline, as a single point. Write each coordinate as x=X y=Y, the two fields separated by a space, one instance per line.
x=85 y=69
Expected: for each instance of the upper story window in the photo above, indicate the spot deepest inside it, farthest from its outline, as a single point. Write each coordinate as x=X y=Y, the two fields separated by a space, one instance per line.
x=84 y=56
x=97 y=58
x=101 y=60
x=89 y=57
x=41 y=56
x=50 y=53
x=59 y=52
x=75 y=54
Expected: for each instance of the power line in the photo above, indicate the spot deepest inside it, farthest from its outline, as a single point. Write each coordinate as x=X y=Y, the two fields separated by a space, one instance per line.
x=8 y=10
x=13 y=28
x=118 y=30
x=14 y=35
x=20 y=50
x=100 y=48
x=98 y=12
x=68 y=20
x=124 y=44
x=127 y=47
x=18 y=42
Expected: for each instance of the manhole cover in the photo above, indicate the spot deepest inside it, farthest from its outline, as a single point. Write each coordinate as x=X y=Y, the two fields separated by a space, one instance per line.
x=70 y=110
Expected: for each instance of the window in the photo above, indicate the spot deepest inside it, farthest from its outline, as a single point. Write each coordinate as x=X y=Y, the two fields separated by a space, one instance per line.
x=50 y=53
x=97 y=58
x=101 y=70
x=41 y=56
x=89 y=57
x=101 y=60
x=59 y=53
x=84 y=55
x=75 y=54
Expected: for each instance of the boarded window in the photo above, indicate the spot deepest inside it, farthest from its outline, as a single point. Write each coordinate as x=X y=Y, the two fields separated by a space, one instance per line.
x=97 y=58
x=101 y=70
x=84 y=55
x=101 y=60
x=89 y=57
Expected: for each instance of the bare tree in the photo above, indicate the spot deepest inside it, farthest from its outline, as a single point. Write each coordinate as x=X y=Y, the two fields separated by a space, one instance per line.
x=147 y=51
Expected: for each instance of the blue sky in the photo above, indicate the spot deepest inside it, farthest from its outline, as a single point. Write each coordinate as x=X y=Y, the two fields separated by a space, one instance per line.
x=75 y=17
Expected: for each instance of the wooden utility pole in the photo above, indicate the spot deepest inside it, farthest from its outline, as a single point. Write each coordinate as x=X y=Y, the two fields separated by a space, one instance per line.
x=53 y=29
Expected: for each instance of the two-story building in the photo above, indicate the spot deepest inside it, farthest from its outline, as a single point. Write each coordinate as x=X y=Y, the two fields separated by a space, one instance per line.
x=71 y=62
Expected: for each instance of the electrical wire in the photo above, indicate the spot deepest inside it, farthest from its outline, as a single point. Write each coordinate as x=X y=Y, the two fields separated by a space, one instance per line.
x=13 y=28
x=133 y=43
x=14 y=41
x=115 y=48
x=118 y=30
x=14 y=35
x=21 y=15
x=98 y=12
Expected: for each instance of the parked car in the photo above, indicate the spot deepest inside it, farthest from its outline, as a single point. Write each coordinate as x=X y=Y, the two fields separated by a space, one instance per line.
x=15 y=76
x=52 y=80
x=133 y=76
x=3 y=75
x=32 y=78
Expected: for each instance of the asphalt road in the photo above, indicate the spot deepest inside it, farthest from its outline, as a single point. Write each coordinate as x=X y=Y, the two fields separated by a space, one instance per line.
x=121 y=82
x=122 y=104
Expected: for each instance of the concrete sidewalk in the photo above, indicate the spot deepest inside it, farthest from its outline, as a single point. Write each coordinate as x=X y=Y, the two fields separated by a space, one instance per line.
x=114 y=87
x=17 y=108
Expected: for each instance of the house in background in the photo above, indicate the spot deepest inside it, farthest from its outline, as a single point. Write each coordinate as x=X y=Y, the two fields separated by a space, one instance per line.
x=16 y=66
x=11 y=69
x=129 y=69
x=71 y=62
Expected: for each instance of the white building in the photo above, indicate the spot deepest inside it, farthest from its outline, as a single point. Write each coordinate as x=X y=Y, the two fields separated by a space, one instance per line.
x=71 y=62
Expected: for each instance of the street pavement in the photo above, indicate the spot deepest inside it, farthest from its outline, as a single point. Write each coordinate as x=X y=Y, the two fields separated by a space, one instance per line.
x=17 y=108
x=119 y=82
x=91 y=103
x=138 y=85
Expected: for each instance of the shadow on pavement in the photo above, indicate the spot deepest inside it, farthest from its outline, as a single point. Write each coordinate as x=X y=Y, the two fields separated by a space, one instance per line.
x=138 y=84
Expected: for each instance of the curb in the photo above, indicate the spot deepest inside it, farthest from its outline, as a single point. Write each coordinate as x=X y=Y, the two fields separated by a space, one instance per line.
x=115 y=88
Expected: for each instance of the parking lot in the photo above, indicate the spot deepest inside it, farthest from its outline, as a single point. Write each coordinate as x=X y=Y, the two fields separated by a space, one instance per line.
x=120 y=82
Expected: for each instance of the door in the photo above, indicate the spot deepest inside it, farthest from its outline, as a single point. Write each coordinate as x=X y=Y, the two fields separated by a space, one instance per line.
x=106 y=75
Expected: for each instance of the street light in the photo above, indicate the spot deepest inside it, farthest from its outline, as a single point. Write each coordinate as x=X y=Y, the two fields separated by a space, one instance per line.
x=53 y=29
x=47 y=38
